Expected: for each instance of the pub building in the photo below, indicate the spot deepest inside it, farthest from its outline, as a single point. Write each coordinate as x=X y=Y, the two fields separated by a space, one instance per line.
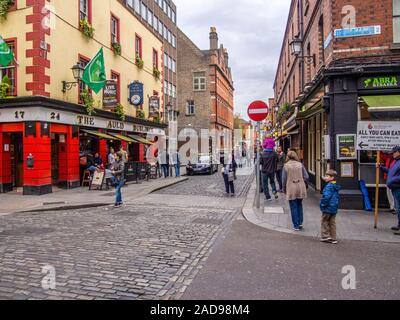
x=42 y=140
x=329 y=117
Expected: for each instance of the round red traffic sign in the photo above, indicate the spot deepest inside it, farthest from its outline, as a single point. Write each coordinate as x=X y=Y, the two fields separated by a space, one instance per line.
x=258 y=111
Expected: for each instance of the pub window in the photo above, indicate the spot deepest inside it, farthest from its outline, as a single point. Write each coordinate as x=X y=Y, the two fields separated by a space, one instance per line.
x=10 y=71
x=82 y=86
x=396 y=21
x=84 y=10
x=199 y=81
x=114 y=29
x=138 y=46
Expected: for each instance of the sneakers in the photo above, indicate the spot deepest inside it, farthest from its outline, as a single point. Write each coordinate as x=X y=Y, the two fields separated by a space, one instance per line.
x=268 y=199
x=301 y=227
x=276 y=195
x=334 y=241
x=326 y=240
x=396 y=228
x=296 y=229
x=397 y=233
x=118 y=205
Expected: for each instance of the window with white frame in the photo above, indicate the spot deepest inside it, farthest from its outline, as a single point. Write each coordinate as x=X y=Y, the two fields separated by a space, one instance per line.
x=190 y=108
x=166 y=87
x=150 y=18
x=144 y=11
x=396 y=21
x=155 y=23
x=199 y=81
x=137 y=6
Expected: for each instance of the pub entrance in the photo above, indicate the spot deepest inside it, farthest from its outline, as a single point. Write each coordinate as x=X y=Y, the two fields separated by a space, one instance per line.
x=17 y=159
x=55 y=156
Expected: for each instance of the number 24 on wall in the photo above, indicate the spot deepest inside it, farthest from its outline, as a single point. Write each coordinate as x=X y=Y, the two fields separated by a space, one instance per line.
x=55 y=116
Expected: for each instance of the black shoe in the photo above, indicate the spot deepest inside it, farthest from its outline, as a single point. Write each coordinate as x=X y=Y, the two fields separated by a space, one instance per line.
x=301 y=227
x=395 y=228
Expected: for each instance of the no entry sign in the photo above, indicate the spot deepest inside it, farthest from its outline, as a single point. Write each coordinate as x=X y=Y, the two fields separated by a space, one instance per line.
x=258 y=111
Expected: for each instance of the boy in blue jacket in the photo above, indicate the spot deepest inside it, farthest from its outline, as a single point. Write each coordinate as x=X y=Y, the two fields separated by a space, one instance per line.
x=329 y=208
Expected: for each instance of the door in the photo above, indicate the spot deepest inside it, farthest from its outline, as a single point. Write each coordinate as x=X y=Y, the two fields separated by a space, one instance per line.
x=318 y=153
x=17 y=160
x=54 y=159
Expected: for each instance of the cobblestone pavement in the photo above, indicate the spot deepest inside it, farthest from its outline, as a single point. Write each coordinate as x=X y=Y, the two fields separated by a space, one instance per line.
x=210 y=186
x=150 y=249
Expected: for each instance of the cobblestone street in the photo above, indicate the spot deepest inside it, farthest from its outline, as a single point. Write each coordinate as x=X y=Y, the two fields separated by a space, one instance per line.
x=150 y=249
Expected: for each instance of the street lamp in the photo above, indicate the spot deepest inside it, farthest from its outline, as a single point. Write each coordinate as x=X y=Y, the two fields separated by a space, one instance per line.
x=296 y=46
x=77 y=72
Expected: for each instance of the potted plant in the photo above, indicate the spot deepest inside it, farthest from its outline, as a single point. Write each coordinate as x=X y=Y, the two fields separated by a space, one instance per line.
x=5 y=5
x=86 y=28
x=139 y=61
x=120 y=111
x=117 y=48
x=140 y=114
x=156 y=72
x=5 y=85
x=88 y=102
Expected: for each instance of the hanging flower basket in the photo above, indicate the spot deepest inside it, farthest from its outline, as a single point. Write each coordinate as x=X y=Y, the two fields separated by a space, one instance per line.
x=5 y=5
x=117 y=48
x=86 y=28
x=139 y=62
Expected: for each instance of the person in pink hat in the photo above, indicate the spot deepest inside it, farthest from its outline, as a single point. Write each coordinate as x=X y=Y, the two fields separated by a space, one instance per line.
x=269 y=163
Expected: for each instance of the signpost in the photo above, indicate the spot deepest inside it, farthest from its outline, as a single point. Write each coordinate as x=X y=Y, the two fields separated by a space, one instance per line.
x=377 y=136
x=258 y=111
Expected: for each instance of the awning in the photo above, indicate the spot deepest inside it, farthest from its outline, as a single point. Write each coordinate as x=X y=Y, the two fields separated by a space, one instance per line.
x=123 y=138
x=317 y=108
x=382 y=103
x=99 y=134
x=141 y=140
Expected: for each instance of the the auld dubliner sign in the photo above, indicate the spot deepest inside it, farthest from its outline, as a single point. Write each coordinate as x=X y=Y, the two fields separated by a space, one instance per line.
x=381 y=82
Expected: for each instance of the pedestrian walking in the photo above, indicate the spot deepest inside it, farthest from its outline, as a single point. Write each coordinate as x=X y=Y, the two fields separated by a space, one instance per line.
x=124 y=154
x=176 y=161
x=269 y=161
x=279 y=169
x=389 y=162
x=294 y=177
x=234 y=166
x=164 y=161
x=227 y=173
x=118 y=172
x=393 y=183
x=329 y=206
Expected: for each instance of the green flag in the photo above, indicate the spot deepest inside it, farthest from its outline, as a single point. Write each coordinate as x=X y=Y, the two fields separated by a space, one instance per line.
x=6 y=55
x=95 y=73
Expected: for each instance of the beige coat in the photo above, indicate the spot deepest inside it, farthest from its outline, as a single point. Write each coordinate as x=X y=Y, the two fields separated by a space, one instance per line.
x=293 y=180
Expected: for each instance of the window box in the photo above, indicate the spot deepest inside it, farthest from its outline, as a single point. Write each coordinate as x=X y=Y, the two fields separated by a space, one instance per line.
x=5 y=5
x=139 y=62
x=117 y=48
x=86 y=28
x=156 y=73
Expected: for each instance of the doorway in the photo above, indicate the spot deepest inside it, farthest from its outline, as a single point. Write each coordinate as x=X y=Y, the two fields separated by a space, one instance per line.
x=55 y=155
x=17 y=159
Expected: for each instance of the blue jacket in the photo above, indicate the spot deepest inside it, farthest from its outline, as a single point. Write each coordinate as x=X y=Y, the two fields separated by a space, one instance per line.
x=330 y=199
x=393 y=180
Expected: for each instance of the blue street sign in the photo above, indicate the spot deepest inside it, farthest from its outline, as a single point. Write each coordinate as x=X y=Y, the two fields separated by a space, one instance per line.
x=136 y=95
x=358 y=32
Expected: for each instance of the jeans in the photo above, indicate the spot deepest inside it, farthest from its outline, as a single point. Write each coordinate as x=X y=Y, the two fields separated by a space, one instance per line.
x=271 y=178
x=178 y=170
x=390 y=198
x=229 y=185
x=279 y=178
x=92 y=169
x=296 y=209
x=165 y=169
x=396 y=196
x=118 y=194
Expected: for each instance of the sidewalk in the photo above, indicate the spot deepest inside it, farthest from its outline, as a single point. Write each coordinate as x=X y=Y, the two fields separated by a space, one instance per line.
x=77 y=198
x=351 y=225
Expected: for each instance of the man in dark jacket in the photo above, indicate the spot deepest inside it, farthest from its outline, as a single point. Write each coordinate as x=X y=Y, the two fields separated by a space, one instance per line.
x=269 y=161
x=393 y=183
x=279 y=169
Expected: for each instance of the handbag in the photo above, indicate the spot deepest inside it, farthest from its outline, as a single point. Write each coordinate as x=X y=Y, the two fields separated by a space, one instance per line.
x=231 y=176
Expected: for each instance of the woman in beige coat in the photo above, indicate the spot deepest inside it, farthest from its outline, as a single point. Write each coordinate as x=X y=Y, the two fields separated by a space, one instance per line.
x=294 y=177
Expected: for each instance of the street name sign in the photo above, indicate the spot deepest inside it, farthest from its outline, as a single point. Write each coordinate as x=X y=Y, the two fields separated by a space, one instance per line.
x=378 y=135
x=258 y=111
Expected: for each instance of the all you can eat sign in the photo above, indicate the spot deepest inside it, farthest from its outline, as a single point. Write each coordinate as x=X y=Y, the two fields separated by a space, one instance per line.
x=378 y=136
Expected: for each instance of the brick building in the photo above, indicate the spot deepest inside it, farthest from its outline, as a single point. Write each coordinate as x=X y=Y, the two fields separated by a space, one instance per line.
x=339 y=64
x=205 y=91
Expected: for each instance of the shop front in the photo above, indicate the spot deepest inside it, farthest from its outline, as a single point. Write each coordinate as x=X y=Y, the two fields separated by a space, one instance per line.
x=42 y=141
x=373 y=95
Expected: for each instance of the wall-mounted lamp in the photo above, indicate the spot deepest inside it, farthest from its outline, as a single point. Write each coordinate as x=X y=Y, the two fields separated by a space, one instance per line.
x=296 y=46
x=77 y=71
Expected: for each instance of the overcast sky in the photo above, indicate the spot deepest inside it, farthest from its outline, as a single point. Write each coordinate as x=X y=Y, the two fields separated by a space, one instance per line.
x=251 y=30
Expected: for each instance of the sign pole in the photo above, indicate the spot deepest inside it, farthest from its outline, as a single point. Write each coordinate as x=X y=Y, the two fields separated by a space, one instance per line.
x=377 y=190
x=258 y=204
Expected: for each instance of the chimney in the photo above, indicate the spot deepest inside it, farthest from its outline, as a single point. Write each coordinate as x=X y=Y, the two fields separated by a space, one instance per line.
x=226 y=56
x=213 y=38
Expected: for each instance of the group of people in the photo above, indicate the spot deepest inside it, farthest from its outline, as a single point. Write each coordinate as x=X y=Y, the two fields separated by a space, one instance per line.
x=293 y=178
x=165 y=161
x=115 y=168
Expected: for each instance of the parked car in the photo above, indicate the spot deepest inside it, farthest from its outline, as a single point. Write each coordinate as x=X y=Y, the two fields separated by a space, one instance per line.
x=205 y=165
